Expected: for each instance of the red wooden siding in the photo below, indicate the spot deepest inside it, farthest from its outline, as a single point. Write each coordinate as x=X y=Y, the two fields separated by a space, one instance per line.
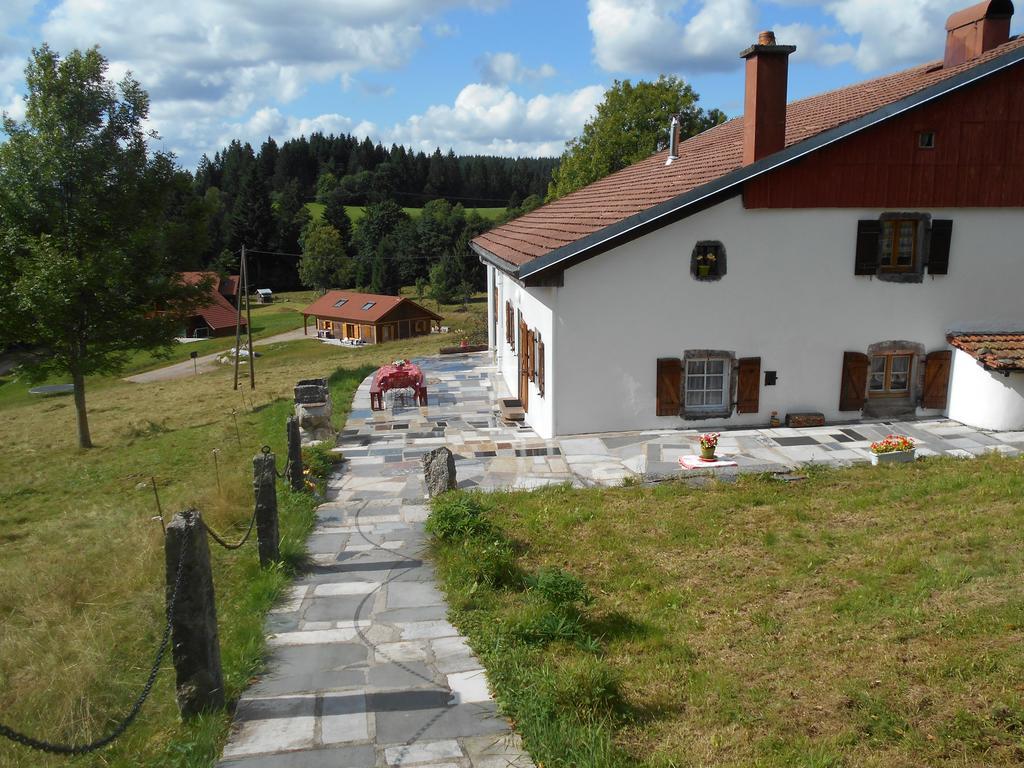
x=978 y=159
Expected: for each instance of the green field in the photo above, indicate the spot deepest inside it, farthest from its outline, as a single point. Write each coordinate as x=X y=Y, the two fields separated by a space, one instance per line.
x=872 y=616
x=355 y=212
x=81 y=560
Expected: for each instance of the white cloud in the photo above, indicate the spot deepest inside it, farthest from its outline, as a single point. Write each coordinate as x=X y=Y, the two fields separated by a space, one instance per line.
x=270 y=121
x=812 y=44
x=207 y=64
x=504 y=68
x=892 y=34
x=493 y=119
x=650 y=35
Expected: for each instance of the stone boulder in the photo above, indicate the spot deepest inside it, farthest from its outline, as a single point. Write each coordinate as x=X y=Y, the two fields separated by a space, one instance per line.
x=439 y=471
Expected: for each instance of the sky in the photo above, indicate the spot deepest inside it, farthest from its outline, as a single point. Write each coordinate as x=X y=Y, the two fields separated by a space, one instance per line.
x=507 y=77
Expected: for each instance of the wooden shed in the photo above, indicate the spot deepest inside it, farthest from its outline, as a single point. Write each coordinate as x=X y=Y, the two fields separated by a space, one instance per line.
x=366 y=317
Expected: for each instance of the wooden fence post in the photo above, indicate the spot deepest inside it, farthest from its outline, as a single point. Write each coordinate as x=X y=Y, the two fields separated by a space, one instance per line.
x=199 y=682
x=264 y=474
x=295 y=468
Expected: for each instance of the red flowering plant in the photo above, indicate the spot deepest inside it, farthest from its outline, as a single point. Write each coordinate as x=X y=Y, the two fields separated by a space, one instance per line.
x=893 y=443
x=709 y=440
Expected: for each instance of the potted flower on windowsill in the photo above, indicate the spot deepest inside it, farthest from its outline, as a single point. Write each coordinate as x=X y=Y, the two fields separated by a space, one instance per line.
x=705 y=262
x=708 y=444
x=894 y=449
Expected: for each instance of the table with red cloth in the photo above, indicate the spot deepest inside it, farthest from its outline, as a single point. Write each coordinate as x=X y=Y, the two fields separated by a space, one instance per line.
x=400 y=374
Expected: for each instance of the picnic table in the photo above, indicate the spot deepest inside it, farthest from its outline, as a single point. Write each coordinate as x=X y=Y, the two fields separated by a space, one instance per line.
x=400 y=374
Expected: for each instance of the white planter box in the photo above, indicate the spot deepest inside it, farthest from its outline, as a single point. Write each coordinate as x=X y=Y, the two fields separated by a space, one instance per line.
x=895 y=457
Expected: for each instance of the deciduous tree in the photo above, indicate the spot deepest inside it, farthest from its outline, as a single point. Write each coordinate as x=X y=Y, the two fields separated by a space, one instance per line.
x=82 y=206
x=323 y=263
x=631 y=123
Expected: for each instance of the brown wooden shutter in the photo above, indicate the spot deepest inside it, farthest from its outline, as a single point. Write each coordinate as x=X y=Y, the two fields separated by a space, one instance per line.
x=748 y=395
x=531 y=357
x=852 y=390
x=938 y=249
x=869 y=233
x=936 y=379
x=670 y=373
x=540 y=368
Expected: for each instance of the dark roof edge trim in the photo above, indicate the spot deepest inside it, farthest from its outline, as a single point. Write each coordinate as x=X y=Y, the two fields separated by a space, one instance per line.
x=489 y=258
x=772 y=162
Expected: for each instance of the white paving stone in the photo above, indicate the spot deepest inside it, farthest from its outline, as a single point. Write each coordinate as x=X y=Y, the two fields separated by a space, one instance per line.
x=344 y=718
x=422 y=752
x=470 y=687
x=345 y=634
x=254 y=737
x=410 y=650
x=421 y=630
x=364 y=547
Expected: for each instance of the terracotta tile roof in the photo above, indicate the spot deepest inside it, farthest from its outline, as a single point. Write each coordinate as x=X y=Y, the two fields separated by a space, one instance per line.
x=995 y=351
x=218 y=313
x=352 y=310
x=702 y=159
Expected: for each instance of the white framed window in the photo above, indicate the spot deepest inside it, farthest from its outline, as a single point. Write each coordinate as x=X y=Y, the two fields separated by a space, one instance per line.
x=707 y=384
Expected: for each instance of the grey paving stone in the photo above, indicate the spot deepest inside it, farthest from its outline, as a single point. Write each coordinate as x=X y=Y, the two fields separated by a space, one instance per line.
x=335 y=757
x=425 y=713
x=328 y=543
x=402 y=675
x=412 y=594
x=338 y=608
x=400 y=615
x=305 y=668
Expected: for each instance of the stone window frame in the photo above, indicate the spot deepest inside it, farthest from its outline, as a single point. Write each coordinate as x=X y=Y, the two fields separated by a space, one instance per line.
x=916 y=274
x=726 y=410
x=916 y=381
x=720 y=261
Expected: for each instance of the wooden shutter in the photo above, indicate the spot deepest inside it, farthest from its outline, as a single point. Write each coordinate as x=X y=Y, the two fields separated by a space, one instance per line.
x=670 y=373
x=748 y=395
x=531 y=357
x=852 y=389
x=938 y=250
x=869 y=232
x=540 y=368
x=936 y=379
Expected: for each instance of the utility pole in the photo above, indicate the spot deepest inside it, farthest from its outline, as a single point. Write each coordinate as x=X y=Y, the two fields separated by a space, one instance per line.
x=248 y=323
x=238 y=318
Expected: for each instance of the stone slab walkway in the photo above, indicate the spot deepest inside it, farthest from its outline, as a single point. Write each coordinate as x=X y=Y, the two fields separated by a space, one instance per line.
x=365 y=670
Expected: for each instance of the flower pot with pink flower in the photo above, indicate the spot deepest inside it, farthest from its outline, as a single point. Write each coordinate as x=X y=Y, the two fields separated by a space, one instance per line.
x=708 y=445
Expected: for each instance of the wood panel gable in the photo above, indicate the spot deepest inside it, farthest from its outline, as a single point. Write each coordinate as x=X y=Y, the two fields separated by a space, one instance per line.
x=977 y=159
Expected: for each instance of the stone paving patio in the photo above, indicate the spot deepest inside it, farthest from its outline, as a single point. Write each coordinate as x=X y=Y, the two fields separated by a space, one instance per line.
x=365 y=670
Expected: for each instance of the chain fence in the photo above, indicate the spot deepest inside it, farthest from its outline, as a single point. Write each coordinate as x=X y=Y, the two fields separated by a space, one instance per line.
x=82 y=749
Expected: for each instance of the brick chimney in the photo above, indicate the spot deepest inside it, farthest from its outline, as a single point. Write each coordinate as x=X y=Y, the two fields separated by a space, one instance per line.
x=764 y=110
x=974 y=30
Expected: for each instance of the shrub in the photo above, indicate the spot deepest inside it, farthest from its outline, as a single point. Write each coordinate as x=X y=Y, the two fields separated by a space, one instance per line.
x=455 y=516
x=560 y=588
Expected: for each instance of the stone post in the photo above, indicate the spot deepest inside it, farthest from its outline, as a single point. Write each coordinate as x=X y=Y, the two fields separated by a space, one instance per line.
x=439 y=471
x=294 y=473
x=264 y=473
x=199 y=683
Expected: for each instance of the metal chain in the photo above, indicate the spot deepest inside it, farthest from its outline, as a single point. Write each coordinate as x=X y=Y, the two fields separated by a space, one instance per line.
x=92 y=746
x=219 y=540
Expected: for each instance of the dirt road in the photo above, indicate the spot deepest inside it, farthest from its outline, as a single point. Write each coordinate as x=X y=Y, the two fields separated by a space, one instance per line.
x=205 y=363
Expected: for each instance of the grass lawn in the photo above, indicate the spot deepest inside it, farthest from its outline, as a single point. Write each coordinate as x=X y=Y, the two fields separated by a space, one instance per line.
x=863 y=617
x=81 y=561
x=355 y=212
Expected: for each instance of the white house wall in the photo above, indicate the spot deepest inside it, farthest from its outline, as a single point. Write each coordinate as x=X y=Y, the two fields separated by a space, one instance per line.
x=984 y=398
x=537 y=305
x=789 y=297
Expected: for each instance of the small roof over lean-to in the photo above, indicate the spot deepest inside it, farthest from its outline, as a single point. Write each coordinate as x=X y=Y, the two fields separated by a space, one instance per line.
x=995 y=351
x=361 y=307
x=649 y=194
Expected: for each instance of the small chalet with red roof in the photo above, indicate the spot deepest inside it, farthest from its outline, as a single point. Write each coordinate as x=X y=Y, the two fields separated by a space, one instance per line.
x=832 y=255
x=217 y=317
x=367 y=318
